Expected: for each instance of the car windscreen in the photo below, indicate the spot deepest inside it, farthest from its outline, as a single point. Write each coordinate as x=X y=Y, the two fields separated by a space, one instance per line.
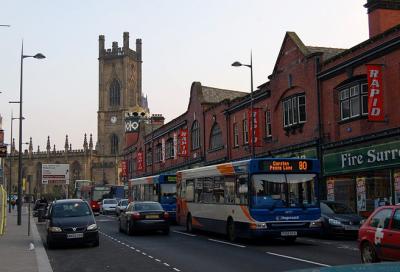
x=147 y=207
x=71 y=209
x=339 y=208
x=110 y=201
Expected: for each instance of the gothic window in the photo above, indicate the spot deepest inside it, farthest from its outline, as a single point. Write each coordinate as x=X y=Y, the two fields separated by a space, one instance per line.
x=216 y=137
x=114 y=93
x=114 y=144
x=195 y=135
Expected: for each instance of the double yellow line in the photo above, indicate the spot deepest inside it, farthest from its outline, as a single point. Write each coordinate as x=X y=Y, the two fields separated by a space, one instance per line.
x=3 y=204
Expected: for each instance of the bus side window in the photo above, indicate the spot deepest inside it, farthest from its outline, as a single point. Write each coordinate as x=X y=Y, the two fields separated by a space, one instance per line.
x=241 y=189
x=189 y=190
x=230 y=189
x=219 y=190
x=198 y=190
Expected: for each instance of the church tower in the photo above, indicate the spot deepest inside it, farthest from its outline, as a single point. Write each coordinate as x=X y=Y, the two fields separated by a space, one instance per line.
x=120 y=91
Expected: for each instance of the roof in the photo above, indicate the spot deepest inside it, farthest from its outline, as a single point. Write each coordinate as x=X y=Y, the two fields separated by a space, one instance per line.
x=327 y=52
x=215 y=95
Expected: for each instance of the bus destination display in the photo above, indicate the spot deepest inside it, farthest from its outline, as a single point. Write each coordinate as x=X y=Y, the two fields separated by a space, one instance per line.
x=289 y=165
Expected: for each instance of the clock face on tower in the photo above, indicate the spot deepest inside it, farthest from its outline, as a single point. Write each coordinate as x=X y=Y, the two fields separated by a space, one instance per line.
x=113 y=119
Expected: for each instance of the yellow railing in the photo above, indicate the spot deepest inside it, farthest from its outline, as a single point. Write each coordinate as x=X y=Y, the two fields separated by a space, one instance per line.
x=3 y=205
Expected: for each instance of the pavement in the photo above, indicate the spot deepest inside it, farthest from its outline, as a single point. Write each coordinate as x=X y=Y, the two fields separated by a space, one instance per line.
x=20 y=252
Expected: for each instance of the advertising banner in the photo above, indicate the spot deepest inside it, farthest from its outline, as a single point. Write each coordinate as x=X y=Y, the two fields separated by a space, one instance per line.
x=257 y=131
x=330 y=187
x=175 y=146
x=163 y=150
x=124 y=168
x=375 y=93
x=139 y=161
x=361 y=195
x=183 y=143
x=55 y=173
x=131 y=122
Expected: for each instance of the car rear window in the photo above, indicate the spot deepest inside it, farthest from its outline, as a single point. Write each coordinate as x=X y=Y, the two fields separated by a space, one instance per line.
x=147 y=206
x=71 y=210
x=110 y=201
x=124 y=202
x=381 y=219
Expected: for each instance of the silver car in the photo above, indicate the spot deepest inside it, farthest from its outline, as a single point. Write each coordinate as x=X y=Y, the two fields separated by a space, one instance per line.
x=108 y=205
x=121 y=207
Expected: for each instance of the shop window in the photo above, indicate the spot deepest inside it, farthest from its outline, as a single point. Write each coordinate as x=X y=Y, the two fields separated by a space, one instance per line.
x=294 y=110
x=353 y=99
x=381 y=219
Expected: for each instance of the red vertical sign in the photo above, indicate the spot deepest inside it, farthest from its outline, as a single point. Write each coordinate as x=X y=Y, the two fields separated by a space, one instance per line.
x=139 y=161
x=183 y=142
x=375 y=93
x=257 y=131
x=124 y=169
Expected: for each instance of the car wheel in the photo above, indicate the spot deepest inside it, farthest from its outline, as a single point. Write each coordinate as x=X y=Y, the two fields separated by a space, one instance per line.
x=166 y=231
x=96 y=243
x=368 y=253
x=189 y=226
x=230 y=230
x=129 y=229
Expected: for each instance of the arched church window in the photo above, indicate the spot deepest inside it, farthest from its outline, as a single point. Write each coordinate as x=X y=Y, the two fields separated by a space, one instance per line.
x=114 y=144
x=114 y=93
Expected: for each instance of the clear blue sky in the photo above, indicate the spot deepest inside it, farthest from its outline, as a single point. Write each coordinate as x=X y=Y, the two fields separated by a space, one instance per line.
x=183 y=41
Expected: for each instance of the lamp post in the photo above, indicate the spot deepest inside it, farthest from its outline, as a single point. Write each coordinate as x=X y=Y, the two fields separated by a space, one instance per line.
x=37 y=56
x=238 y=64
x=11 y=139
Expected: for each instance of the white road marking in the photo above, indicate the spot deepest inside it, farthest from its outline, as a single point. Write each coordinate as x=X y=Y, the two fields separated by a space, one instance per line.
x=158 y=260
x=184 y=233
x=166 y=264
x=151 y=257
x=137 y=250
x=298 y=259
x=227 y=243
x=176 y=269
x=145 y=254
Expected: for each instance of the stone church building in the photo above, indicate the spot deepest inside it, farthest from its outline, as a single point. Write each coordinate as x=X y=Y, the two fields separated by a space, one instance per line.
x=120 y=91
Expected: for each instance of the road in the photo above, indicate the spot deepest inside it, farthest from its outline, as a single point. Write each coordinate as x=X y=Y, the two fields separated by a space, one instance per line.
x=181 y=251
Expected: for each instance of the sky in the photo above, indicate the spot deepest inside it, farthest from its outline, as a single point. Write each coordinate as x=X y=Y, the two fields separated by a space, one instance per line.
x=182 y=41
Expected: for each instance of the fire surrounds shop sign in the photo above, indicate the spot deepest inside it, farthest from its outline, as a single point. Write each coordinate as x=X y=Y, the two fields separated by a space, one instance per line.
x=55 y=173
x=362 y=159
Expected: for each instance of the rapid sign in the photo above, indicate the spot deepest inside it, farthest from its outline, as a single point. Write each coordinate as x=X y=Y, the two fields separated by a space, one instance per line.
x=55 y=173
x=375 y=93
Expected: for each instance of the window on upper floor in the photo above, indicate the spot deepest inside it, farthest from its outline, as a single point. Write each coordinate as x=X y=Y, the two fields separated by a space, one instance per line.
x=235 y=135
x=294 y=110
x=245 y=132
x=169 y=149
x=216 y=137
x=353 y=100
x=149 y=157
x=114 y=93
x=158 y=154
x=114 y=144
x=268 y=124
x=195 y=135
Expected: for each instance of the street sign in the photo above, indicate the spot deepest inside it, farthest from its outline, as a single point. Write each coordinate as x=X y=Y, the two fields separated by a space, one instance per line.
x=55 y=173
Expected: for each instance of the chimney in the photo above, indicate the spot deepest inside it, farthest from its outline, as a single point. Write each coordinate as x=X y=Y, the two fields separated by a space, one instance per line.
x=114 y=46
x=382 y=15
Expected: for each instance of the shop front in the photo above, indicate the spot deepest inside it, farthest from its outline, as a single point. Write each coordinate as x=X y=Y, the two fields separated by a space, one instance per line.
x=364 y=178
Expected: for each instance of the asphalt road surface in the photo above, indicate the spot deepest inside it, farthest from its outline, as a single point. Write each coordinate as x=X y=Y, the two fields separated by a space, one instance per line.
x=201 y=251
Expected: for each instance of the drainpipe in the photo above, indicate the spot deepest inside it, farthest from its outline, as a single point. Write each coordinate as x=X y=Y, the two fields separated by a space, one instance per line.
x=320 y=125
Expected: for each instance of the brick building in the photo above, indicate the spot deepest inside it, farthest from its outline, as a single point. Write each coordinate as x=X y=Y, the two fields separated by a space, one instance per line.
x=314 y=104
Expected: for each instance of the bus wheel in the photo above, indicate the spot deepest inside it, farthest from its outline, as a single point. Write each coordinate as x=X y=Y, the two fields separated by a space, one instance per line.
x=189 y=226
x=230 y=230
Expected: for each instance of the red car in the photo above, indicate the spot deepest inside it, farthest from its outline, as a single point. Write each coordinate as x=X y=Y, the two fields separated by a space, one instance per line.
x=379 y=236
x=95 y=207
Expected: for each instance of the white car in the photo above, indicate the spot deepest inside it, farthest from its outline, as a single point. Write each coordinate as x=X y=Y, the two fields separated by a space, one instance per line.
x=121 y=207
x=108 y=205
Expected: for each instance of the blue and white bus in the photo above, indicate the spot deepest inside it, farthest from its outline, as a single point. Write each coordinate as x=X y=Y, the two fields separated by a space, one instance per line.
x=160 y=188
x=258 y=197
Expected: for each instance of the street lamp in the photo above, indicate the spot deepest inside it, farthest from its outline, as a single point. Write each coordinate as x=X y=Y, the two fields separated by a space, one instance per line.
x=238 y=64
x=37 y=56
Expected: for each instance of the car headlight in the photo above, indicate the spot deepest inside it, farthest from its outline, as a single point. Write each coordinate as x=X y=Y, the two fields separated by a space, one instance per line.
x=334 y=222
x=92 y=227
x=55 y=229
